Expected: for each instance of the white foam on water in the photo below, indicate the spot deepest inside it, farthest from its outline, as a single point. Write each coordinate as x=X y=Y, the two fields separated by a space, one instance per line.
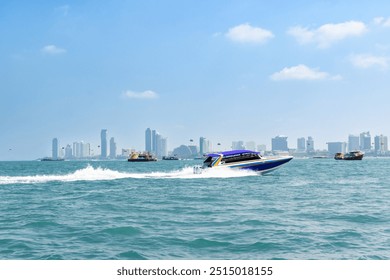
x=99 y=174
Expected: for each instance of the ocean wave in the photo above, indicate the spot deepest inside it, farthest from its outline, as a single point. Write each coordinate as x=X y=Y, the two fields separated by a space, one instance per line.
x=90 y=173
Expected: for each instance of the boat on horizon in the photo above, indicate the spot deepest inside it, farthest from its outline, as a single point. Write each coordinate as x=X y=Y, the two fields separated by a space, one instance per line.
x=170 y=158
x=51 y=159
x=242 y=159
x=141 y=157
x=354 y=155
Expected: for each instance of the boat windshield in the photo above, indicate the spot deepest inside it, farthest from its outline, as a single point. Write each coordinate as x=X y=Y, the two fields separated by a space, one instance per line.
x=209 y=161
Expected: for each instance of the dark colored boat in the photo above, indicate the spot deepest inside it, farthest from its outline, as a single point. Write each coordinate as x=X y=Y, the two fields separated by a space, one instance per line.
x=51 y=159
x=170 y=158
x=141 y=157
x=355 y=155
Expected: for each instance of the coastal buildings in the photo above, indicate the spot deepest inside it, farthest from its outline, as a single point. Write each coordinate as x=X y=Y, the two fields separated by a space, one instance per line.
x=112 y=148
x=353 y=143
x=155 y=143
x=380 y=145
x=158 y=145
x=365 y=141
x=54 y=152
x=103 y=144
x=310 y=145
x=336 y=147
x=279 y=143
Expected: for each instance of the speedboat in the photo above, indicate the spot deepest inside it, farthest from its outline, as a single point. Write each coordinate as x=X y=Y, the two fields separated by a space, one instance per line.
x=242 y=159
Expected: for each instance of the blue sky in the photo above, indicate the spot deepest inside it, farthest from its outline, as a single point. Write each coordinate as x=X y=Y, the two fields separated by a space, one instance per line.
x=225 y=70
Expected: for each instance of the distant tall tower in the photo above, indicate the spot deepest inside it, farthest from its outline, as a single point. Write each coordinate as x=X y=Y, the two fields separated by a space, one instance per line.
x=310 y=145
x=365 y=141
x=112 y=148
x=279 y=143
x=301 y=144
x=54 y=151
x=202 y=145
x=353 y=143
x=154 y=141
x=103 y=143
x=148 y=140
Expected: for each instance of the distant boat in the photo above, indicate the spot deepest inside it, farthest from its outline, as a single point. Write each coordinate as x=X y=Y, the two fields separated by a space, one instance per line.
x=141 y=157
x=242 y=159
x=170 y=158
x=355 y=155
x=51 y=159
x=320 y=157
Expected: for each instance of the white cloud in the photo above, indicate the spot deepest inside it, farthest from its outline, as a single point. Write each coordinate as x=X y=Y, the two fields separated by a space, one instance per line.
x=302 y=72
x=327 y=34
x=147 y=94
x=52 y=50
x=385 y=22
x=367 y=61
x=246 y=33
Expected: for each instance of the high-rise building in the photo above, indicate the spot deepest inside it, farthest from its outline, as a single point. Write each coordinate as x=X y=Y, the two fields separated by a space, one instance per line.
x=68 y=152
x=204 y=146
x=310 y=145
x=365 y=141
x=380 y=144
x=279 y=143
x=154 y=142
x=238 y=145
x=54 y=151
x=353 y=143
x=301 y=144
x=148 y=140
x=112 y=148
x=336 y=147
x=103 y=143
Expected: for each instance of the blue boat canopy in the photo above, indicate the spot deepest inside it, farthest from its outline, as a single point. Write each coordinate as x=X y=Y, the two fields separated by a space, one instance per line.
x=232 y=153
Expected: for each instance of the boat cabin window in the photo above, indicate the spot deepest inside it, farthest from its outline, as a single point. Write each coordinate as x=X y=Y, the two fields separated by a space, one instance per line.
x=241 y=157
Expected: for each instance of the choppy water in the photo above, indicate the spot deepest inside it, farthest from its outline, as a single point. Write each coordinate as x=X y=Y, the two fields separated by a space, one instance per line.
x=308 y=209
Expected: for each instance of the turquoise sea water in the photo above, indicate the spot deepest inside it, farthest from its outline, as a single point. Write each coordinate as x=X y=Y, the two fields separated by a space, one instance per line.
x=307 y=209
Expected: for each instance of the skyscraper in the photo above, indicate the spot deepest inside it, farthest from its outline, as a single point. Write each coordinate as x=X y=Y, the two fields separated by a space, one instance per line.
x=336 y=147
x=301 y=144
x=154 y=142
x=353 y=143
x=103 y=143
x=279 y=143
x=310 y=145
x=112 y=148
x=365 y=141
x=380 y=144
x=202 y=145
x=54 y=151
x=148 y=140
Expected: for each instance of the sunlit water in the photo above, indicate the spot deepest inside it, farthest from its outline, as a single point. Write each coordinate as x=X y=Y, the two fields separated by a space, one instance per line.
x=307 y=209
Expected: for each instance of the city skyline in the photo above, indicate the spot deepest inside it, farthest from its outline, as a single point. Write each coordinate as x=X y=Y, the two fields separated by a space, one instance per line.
x=228 y=71
x=157 y=145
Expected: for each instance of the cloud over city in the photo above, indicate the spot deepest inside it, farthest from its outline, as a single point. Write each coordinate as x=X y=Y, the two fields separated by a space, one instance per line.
x=368 y=61
x=302 y=72
x=328 y=34
x=52 y=50
x=147 y=94
x=245 y=33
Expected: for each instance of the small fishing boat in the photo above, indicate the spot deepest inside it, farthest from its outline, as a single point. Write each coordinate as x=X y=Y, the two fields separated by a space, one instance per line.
x=242 y=159
x=355 y=155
